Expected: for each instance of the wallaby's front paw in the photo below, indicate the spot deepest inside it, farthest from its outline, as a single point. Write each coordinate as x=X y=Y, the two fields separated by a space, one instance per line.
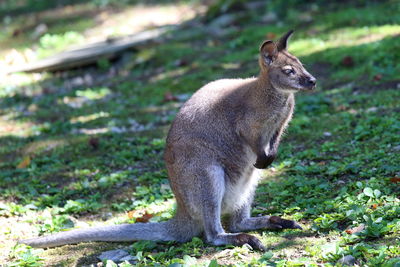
x=283 y=223
x=252 y=241
x=264 y=161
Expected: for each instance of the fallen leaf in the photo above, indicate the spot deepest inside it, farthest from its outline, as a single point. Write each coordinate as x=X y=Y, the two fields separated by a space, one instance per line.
x=355 y=230
x=24 y=163
x=145 y=218
x=46 y=90
x=341 y=108
x=378 y=77
x=395 y=180
x=271 y=36
x=94 y=142
x=180 y=62
x=348 y=61
x=131 y=214
x=168 y=97
x=16 y=32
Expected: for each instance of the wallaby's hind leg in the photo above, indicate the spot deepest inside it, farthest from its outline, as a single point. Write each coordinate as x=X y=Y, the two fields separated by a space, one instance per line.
x=213 y=192
x=241 y=221
x=183 y=228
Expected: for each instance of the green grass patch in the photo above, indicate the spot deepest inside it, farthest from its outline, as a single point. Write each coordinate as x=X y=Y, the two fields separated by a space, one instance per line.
x=72 y=153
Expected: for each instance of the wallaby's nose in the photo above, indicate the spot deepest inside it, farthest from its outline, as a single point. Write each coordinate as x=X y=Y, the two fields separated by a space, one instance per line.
x=308 y=82
x=312 y=81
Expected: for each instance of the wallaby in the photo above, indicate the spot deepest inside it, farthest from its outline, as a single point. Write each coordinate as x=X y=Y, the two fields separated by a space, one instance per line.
x=221 y=135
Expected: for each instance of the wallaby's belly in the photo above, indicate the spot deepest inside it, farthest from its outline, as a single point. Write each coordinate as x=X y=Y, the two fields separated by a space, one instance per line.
x=241 y=192
x=240 y=185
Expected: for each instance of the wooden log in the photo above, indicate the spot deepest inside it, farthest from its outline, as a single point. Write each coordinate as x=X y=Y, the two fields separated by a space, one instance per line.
x=89 y=54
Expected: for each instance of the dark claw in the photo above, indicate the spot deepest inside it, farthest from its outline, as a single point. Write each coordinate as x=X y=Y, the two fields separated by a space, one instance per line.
x=286 y=224
x=252 y=241
x=257 y=245
x=297 y=226
x=275 y=226
x=263 y=161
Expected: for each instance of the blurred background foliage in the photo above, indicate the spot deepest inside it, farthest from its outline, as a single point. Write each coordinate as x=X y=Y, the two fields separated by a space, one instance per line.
x=84 y=146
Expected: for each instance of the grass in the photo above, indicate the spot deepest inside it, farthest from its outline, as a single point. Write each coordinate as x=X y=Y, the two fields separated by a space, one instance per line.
x=86 y=148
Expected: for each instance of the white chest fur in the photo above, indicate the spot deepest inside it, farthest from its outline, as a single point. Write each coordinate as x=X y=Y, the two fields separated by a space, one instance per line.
x=240 y=192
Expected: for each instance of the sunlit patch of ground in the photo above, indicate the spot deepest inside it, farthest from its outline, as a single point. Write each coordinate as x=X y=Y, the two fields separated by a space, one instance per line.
x=351 y=36
x=11 y=229
x=10 y=127
x=9 y=84
x=140 y=17
x=106 y=23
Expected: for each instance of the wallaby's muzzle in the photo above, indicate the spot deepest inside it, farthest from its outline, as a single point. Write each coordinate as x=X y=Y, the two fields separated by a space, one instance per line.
x=308 y=82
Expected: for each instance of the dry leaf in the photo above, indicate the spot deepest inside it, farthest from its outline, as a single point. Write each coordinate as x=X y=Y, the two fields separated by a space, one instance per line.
x=131 y=214
x=378 y=77
x=94 y=142
x=145 y=218
x=355 y=229
x=271 y=36
x=395 y=180
x=168 y=97
x=180 y=62
x=341 y=108
x=348 y=61
x=16 y=32
x=24 y=163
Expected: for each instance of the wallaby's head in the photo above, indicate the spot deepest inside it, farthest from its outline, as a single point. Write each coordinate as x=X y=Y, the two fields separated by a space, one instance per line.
x=284 y=71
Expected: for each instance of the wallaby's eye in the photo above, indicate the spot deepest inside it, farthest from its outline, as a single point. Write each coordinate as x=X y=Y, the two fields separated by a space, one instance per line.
x=288 y=70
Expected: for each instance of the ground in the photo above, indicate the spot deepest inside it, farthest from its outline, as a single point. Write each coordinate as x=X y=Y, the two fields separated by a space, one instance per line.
x=85 y=147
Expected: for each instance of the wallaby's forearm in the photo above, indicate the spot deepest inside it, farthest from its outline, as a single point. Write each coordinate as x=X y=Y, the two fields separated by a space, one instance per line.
x=254 y=138
x=265 y=159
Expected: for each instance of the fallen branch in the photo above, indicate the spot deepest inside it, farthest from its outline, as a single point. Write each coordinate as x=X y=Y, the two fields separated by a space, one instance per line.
x=91 y=53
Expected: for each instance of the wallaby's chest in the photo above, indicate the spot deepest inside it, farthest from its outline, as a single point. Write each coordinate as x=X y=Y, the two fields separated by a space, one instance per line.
x=276 y=119
x=240 y=186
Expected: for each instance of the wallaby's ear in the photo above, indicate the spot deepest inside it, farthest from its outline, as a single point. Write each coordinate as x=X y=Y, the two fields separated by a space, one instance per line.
x=282 y=43
x=268 y=52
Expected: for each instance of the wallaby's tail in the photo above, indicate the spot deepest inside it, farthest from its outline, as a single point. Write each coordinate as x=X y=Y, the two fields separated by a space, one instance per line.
x=164 y=231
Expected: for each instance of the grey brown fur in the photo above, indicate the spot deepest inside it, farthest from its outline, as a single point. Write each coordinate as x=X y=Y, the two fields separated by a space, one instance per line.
x=221 y=135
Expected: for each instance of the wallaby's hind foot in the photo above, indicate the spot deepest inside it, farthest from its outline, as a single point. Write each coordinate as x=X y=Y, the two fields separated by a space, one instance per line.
x=264 y=222
x=253 y=241
x=238 y=239
x=285 y=224
x=240 y=221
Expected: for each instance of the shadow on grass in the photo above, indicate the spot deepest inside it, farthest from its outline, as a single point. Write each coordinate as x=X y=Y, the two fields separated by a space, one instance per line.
x=15 y=8
x=167 y=250
x=366 y=62
x=362 y=14
x=19 y=33
x=79 y=255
